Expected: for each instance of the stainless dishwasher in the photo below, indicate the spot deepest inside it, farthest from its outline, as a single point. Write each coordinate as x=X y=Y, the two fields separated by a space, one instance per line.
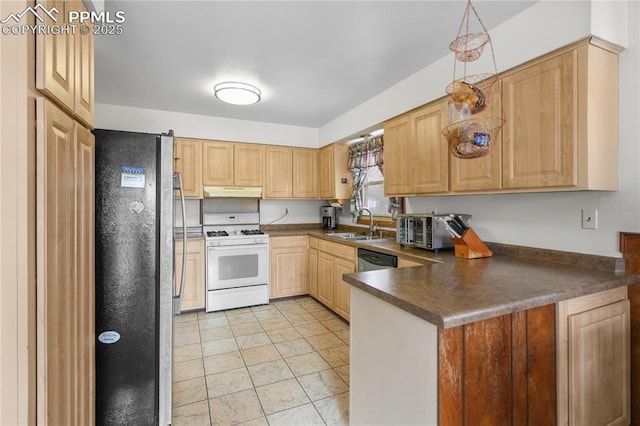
x=371 y=261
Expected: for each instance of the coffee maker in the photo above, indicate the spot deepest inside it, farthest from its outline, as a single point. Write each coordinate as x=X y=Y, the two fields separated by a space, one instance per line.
x=329 y=217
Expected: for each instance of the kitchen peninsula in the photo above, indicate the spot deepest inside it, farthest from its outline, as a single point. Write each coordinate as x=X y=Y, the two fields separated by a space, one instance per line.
x=487 y=341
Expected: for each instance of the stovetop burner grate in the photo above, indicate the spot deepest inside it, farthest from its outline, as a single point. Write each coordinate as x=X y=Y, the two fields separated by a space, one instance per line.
x=217 y=234
x=251 y=232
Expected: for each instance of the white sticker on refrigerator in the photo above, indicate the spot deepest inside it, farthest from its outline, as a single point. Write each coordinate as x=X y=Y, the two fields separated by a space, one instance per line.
x=109 y=337
x=132 y=177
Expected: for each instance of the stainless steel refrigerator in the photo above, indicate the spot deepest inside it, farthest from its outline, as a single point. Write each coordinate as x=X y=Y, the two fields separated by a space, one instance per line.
x=135 y=297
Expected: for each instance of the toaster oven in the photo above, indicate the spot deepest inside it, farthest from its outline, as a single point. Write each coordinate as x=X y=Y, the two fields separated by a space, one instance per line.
x=425 y=230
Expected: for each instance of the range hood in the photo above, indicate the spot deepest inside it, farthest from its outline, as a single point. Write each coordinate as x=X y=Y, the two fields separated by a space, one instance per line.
x=232 y=192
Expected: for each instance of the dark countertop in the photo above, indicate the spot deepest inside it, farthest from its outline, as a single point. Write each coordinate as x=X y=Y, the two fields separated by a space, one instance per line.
x=461 y=291
x=449 y=291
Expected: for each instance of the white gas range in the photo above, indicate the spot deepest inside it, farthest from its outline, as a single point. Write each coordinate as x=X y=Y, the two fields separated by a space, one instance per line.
x=237 y=259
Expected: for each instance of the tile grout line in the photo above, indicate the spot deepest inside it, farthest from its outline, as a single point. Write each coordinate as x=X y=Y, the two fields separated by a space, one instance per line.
x=284 y=313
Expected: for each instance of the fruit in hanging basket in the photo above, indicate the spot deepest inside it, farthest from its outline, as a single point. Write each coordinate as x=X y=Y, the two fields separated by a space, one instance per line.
x=468 y=94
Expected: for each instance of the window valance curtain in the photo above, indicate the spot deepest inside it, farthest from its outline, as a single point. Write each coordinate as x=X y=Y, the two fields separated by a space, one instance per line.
x=362 y=156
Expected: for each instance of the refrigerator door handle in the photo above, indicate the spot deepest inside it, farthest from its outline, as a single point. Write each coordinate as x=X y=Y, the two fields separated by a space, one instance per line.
x=177 y=297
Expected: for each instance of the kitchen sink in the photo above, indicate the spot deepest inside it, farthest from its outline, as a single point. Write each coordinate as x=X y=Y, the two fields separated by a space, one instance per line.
x=352 y=236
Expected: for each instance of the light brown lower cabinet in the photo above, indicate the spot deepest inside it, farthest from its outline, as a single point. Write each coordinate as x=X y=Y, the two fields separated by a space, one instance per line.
x=334 y=260
x=593 y=365
x=288 y=266
x=313 y=266
x=194 y=291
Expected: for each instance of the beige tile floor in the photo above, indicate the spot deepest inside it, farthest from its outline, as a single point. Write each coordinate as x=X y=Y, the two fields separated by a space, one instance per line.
x=286 y=363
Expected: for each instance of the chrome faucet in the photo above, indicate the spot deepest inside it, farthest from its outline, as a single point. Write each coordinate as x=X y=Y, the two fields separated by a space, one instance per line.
x=357 y=216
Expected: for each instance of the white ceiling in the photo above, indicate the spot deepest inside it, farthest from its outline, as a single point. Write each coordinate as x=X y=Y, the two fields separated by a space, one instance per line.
x=313 y=60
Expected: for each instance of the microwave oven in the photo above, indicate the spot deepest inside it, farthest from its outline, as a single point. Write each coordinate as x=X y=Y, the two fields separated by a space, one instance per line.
x=425 y=230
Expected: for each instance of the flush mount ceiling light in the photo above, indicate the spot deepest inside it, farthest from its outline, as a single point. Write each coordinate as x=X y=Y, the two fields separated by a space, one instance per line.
x=237 y=93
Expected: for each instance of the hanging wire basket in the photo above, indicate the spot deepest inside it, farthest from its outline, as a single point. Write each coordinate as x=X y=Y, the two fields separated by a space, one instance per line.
x=469 y=47
x=470 y=132
x=474 y=137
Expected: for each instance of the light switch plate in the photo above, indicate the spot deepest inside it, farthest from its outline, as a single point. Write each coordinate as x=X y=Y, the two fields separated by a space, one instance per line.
x=589 y=219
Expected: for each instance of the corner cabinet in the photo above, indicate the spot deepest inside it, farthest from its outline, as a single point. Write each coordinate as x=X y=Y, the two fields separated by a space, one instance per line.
x=336 y=181
x=334 y=260
x=194 y=291
x=288 y=269
x=561 y=116
x=187 y=160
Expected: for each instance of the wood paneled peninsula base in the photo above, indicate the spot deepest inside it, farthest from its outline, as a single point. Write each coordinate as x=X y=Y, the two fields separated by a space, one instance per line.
x=501 y=340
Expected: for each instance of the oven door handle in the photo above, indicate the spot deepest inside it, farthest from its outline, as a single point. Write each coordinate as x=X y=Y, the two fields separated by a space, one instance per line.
x=177 y=298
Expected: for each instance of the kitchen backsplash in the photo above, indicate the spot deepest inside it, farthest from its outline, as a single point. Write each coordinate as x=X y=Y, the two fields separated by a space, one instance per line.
x=192 y=211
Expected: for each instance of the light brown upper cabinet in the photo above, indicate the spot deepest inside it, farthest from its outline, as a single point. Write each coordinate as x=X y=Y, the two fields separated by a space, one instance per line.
x=336 y=181
x=291 y=172
x=232 y=164
x=248 y=164
x=187 y=160
x=482 y=173
x=561 y=116
x=279 y=172
x=416 y=154
x=398 y=157
x=561 y=113
x=305 y=173
x=65 y=71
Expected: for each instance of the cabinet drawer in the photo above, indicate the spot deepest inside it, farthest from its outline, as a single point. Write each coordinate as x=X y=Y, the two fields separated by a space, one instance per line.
x=338 y=250
x=286 y=242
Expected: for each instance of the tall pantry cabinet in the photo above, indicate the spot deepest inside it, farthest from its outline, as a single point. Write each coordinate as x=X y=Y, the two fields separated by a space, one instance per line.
x=65 y=153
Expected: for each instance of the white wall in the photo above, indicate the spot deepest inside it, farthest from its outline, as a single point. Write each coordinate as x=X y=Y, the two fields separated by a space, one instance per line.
x=130 y=119
x=307 y=211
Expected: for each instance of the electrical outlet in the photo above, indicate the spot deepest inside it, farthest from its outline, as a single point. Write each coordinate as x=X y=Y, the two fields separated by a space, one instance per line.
x=589 y=219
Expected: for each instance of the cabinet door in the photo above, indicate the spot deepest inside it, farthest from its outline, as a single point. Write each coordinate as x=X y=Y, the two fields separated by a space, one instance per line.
x=325 y=279
x=248 y=164
x=288 y=266
x=305 y=173
x=85 y=269
x=65 y=153
x=55 y=56
x=279 y=172
x=84 y=102
x=341 y=290
x=327 y=187
x=398 y=158
x=429 y=151
x=313 y=272
x=217 y=163
x=539 y=137
x=188 y=162
x=483 y=173
x=599 y=366
x=193 y=293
